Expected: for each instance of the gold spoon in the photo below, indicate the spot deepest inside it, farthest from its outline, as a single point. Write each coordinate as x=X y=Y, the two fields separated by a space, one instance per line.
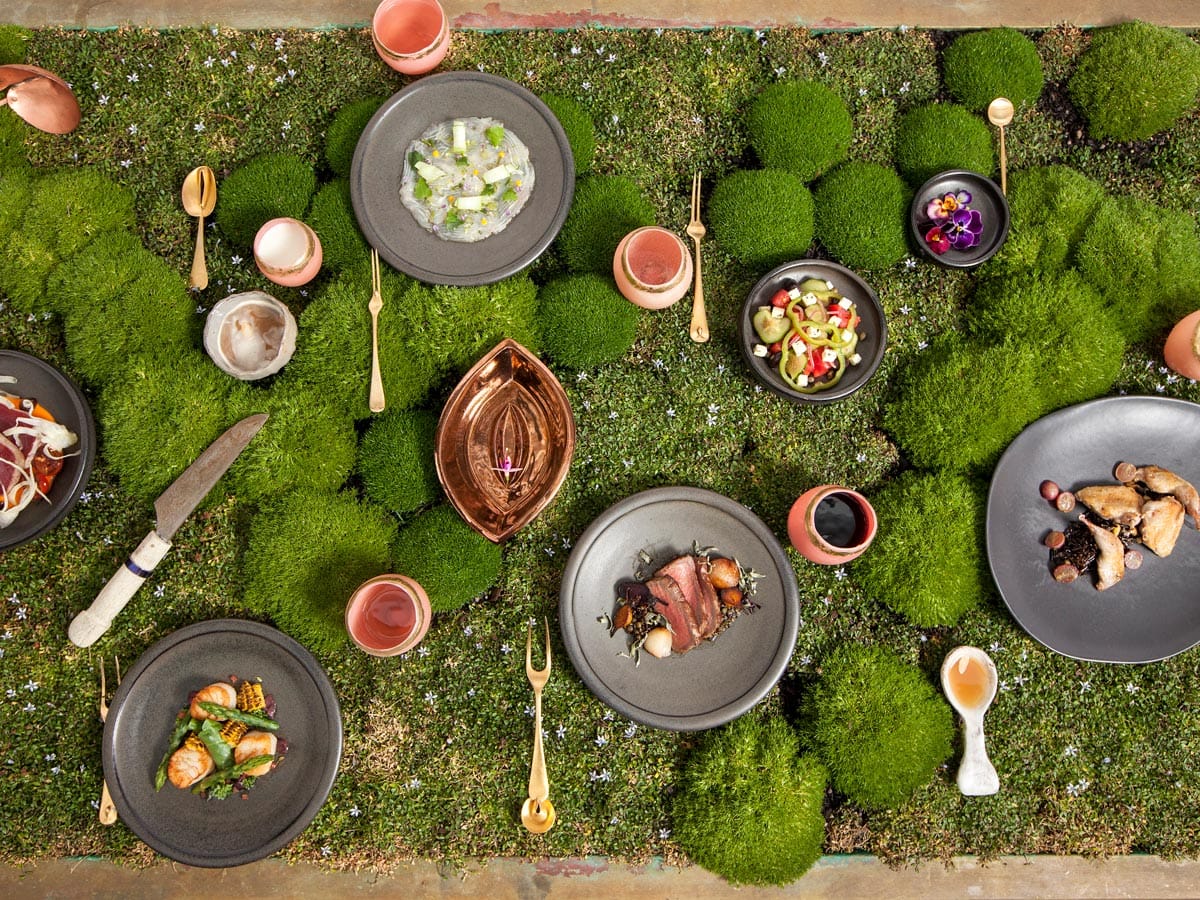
x=1000 y=113
x=199 y=198
x=538 y=816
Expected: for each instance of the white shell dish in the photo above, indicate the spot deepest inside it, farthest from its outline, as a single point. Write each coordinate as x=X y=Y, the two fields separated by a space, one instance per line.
x=250 y=335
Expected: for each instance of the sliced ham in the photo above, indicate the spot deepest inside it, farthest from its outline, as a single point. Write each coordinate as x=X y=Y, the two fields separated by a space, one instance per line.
x=678 y=612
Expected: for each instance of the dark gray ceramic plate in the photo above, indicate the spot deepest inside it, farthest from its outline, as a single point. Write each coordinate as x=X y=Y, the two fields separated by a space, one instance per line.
x=379 y=160
x=717 y=681
x=1152 y=613
x=849 y=285
x=220 y=833
x=67 y=404
x=986 y=197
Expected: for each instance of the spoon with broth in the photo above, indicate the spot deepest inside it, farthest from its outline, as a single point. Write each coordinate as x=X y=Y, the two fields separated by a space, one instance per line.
x=969 y=680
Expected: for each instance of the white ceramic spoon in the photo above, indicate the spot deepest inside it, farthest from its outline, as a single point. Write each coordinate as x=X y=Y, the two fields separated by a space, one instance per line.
x=969 y=680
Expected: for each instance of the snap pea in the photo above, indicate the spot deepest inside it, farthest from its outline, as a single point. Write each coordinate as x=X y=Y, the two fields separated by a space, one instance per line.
x=252 y=719
x=231 y=774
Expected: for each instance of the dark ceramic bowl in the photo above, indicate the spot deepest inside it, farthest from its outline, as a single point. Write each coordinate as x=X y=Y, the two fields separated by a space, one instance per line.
x=872 y=328
x=986 y=197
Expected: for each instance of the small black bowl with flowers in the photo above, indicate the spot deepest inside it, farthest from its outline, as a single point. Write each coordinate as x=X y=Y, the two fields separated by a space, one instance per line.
x=959 y=219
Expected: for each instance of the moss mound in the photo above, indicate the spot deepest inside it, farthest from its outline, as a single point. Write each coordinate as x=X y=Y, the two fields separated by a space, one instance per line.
x=585 y=321
x=762 y=217
x=802 y=127
x=605 y=209
x=12 y=146
x=332 y=218
x=450 y=560
x=862 y=215
x=465 y=322
x=580 y=129
x=306 y=554
x=268 y=186
x=952 y=574
x=13 y=41
x=1135 y=80
x=941 y=136
x=100 y=271
x=16 y=189
x=878 y=724
x=1052 y=207
x=395 y=460
x=344 y=131
x=1000 y=62
x=749 y=804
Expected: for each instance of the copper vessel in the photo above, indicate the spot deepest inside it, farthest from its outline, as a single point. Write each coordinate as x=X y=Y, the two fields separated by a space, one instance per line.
x=39 y=97
x=504 y=441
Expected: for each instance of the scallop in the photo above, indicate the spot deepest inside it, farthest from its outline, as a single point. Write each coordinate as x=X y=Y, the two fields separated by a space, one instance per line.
x=188 y=765
x=252 y=744
x=220 y=693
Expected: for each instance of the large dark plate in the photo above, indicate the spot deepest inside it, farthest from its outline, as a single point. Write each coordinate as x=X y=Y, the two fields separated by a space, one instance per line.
x=67 y=404
x=1152 y=613
x=986 y=197
x=219 y=833
x=849 y=285
x=714 y=683
x=379 y=160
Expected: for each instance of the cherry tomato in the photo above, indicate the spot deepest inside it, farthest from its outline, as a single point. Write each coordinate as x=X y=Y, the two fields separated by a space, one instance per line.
x=780 y=298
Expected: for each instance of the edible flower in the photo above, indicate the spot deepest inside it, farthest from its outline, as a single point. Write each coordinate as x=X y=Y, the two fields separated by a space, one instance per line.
x=939 y=209
x=964 y=229
x=936 y=240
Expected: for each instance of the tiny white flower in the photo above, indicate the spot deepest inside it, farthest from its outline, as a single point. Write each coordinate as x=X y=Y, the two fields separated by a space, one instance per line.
x=430 y=696
x=1131 y=688
x=994 y=647
x=664 y=833
x=422 y=651
x=823 y=58
x=250 y=68
x=600 y=741
x=780 y=71
x=862 y=92
x=806 y=660
x=612 y=57
x=840 y=574
x=414 y=783
x=208 y=62
x=28 y=707
x=133 y=129
x=631 y=730
x=628 y=463
x=506 y=648
x=529 y=710
x=1070 y=750
x=910 y=263
x=923 y=345
x=31 y=685
x=10 y=693
x=560 y=732
x=22 y=612
x=1085 y=687
x=198 y=127
x=159 y=590
x=587 y=85
x=581 y=376
x=574 y=49
x=905 y=309
x=327 y=851
x=126 y=163
x=132 y=77
x=468 y=630
x=471 y=691
x=670 y=412
x=862 y=458
x=355 y=811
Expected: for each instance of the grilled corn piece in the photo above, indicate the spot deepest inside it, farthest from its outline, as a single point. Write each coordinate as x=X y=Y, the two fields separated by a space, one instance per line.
x=250 y=697
x=231 y=732
x=193 y=742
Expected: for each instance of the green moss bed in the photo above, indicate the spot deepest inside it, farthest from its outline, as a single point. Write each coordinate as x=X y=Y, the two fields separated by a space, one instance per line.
x=1093 y=759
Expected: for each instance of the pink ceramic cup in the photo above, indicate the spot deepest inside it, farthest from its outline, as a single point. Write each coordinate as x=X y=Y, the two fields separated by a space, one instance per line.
x=288 y=252
x=411 y=36
x=388 y=615
x=1182 y=350
x=652 y=267
x=831 y=525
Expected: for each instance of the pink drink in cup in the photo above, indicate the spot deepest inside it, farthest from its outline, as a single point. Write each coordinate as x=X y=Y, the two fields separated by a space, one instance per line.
x=652 y=267
x=411 y=36
x=388 y=615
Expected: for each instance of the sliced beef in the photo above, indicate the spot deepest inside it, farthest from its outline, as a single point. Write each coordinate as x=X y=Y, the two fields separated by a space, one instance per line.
x=678 y=612
x=708 y=595
x=12 y=465
x=685 y=572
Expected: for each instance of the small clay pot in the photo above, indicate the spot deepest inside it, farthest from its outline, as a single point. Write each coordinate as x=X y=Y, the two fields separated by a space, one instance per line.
x=1182 y=350
x=288 y=252
x=388 y=615
x=831 y=525
x=652 y=267
x=411 y=36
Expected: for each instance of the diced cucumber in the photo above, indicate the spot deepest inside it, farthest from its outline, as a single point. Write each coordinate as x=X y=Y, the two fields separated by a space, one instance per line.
x=499 y=173
x=458 y=133
x=429 y=172
x=469 y=203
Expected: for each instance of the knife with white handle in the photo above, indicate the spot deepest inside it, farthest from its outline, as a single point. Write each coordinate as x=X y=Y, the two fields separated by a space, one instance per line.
x=170 y=509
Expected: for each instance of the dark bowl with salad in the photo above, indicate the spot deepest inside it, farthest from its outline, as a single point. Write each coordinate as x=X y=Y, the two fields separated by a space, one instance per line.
x=812 y=331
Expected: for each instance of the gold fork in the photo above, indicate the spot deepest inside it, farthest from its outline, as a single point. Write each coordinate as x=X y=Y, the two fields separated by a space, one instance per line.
x=108 y=811
x=376 y=401
x=696 y=230
x=537 y=814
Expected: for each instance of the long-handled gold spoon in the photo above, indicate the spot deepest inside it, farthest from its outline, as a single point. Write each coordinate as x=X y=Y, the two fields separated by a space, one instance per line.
x=1000 y=113
x=199 y=198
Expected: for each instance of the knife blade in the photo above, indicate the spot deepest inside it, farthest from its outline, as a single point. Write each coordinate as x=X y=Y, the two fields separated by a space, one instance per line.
x=172 y=507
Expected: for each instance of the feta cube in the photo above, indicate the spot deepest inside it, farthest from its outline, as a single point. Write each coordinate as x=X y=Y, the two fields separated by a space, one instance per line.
x=794 y=293
x=777 y=312
x=855 y=359
x=802 y=380
x=830 y=356
x=845 y=303
x=760 y=349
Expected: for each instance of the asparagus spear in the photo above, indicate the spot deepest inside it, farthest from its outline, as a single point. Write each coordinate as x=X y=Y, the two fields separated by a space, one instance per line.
x=183 y=724
x=254 y=720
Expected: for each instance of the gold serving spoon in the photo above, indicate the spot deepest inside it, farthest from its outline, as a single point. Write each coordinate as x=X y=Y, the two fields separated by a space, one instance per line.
x=537 y=813
x=199 y=198
x=108 y=811
x=1000 y=113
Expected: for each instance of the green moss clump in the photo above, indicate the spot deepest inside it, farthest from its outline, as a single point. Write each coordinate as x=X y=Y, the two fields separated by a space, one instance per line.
x=605 y=209
x=395 y=460
x=1135 y=80
x=447 y=557
x=802 y=127
x=74 y=206
x=100 y=271
x=935 y=519
x=999 y=62
x=579 y=127
x=878 y=724
x=268 y=186
x=341 y=138
x=749 y=804
x=585 y=321
x=941 y=136
x=862 y=215
x=306 y=554
x=762 y=217
x=1145 y=260
x=159 y=416
x=332 y=218
x=465 y=322
x=12 y=146
x=13 y=41
x=24 y=265
x=16 y=189
x=1052 y=207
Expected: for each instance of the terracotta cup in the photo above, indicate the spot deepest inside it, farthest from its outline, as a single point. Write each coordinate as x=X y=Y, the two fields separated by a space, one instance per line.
x=288 y=252
x=831 y=525
x=411 y=36
x=1182 y=350
x=652 y=267
x=388 y=615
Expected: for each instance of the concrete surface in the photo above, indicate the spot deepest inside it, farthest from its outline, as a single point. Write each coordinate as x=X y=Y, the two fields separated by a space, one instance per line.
x=841 y=877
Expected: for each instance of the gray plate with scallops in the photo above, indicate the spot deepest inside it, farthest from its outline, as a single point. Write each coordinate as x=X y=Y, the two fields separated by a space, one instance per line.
x=720 y=679
x=221 y=833
x=1152 y=613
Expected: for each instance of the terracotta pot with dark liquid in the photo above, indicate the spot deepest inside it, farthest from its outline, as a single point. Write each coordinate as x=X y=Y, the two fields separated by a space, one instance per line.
x=831 y=525
x=388 y=615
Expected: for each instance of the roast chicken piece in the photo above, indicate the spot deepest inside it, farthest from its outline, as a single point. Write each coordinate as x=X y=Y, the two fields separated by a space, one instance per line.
x=1110 y=564
x=1163 y=481
x=1162 y=520
x=1118 y=503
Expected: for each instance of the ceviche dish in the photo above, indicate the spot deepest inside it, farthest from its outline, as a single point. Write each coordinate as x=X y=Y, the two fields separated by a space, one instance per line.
x=32 y=449
x=466 y=179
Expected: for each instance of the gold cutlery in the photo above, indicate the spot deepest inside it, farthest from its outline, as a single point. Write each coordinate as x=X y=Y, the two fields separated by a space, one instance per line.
x=537 y=813
x=1000 y=113
x=696 y=230
x=377 y=401
x=108 y=811
x=199 y=197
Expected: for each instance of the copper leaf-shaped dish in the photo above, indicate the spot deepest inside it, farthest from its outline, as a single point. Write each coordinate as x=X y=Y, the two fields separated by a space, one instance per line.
x=504 y=441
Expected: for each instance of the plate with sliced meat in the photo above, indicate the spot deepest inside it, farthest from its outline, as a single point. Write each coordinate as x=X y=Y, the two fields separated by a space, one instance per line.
x=658 y=550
